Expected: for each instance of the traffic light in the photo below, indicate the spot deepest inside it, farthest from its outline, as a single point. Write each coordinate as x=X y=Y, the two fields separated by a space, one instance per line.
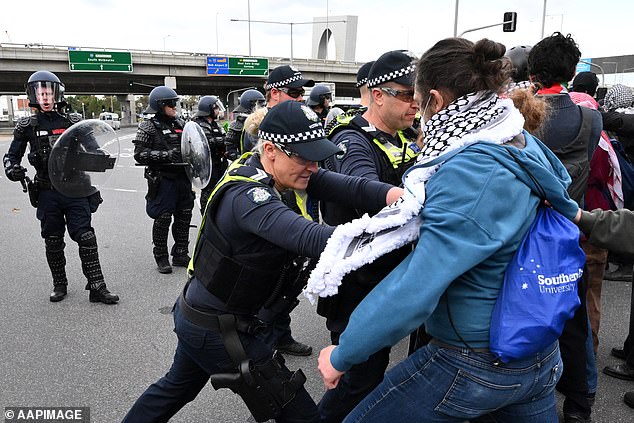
x=510 y=22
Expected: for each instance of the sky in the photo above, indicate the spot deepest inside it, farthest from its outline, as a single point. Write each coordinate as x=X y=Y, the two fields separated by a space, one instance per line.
x=601 y=28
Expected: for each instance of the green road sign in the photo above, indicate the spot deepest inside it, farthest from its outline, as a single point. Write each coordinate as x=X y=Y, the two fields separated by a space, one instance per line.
x=239 y=66
x=99 y=61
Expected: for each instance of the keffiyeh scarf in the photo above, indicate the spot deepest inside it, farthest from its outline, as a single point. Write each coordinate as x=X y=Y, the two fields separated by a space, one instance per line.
x=476 y=117
x=618 y=97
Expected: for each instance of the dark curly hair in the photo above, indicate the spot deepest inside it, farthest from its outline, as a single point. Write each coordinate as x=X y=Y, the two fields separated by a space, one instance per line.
x=554 y=59
x=458 y=67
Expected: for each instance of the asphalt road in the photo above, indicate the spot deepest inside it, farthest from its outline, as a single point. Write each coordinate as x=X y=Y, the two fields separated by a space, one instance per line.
x=78 y=354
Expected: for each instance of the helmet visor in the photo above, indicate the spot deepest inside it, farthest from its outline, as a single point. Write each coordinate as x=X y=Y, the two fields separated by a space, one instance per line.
x=45 y=93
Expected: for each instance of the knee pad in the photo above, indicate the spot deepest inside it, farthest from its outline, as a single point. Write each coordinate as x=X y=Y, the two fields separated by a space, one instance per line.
x=164 y=220
x=54 y=243
x=87 y=240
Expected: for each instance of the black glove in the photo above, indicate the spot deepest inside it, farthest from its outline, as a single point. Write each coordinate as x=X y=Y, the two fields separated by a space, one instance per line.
x=16 y=173
x=174 y=155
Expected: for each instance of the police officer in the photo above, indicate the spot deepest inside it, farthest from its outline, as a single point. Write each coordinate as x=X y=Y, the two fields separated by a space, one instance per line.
x=158 y=147
x=373 y=147
x=319 y=100
x=285 y=83
x=362 y=85
x=238 y=141
x=55 y=211
x=244 y=258
x=210 y=109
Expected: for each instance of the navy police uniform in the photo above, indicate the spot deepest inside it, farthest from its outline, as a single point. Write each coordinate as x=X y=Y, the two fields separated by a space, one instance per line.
x=158 y=147
x=376 y=155
x=238 y=141
x=216 y=139
x=56 y=211
x=243 y=259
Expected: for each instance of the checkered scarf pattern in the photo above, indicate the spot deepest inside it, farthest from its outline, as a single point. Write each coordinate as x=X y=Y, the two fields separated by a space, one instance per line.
x=391 y=75
x=467 y=114
x=283 y=82
x=476 y=117
x=618 y=97
x=307 y=136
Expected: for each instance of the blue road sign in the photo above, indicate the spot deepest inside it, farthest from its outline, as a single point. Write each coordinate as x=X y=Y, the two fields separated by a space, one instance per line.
x=217 y=65
x=584 y=67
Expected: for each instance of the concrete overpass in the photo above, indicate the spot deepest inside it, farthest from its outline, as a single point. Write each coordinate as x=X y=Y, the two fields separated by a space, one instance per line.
x=18 y=61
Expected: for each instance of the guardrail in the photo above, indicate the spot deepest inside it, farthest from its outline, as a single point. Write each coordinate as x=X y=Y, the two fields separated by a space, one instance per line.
x=166 y=52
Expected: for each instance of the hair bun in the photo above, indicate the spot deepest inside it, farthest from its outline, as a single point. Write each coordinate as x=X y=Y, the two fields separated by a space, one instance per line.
x=488 y=50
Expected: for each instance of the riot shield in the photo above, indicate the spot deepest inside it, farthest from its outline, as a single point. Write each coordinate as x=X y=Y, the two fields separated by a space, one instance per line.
x=81 y=157
x=195 y=152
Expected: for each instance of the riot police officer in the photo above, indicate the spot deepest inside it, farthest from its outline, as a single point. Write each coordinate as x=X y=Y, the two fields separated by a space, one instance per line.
x=158 y=147
x=244 y=257
x=319 y=100
x=238 y=141
x=210 y=109
x=374 y=147
x=55 y=211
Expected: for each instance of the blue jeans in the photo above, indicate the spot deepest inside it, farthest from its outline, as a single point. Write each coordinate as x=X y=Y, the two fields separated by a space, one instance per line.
x=443 y=385
x=199 y=354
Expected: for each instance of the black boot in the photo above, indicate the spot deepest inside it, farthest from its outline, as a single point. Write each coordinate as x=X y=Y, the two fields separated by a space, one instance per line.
x=58 y=294
x=103 y=296
x=91 y=267
x=180 y=232
x=57 y=263
x=160 y=230
x=163 y=264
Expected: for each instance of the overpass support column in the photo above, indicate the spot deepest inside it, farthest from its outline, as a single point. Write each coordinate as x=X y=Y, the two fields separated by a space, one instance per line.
x=128 y=109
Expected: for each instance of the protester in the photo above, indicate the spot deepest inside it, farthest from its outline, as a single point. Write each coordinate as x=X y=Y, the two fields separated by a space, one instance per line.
x=572 y=133
x=478 y=206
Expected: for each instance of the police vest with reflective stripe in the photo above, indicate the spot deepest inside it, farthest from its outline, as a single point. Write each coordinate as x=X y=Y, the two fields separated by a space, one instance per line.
x=242 y=281
x=396 y=159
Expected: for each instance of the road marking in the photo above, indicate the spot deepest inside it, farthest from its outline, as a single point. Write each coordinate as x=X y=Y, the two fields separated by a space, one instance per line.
x=121 y=189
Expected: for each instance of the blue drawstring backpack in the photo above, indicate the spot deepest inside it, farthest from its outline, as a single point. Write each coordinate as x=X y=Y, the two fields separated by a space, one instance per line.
x=539 y=293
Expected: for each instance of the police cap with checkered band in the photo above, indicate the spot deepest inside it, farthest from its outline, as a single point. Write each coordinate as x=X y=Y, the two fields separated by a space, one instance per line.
x=394 y=66
x=287 y=76
x=293 y=126
x=362 y=74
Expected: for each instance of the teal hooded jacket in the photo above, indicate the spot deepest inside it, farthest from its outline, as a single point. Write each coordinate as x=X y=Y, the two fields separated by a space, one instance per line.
x=478 y=207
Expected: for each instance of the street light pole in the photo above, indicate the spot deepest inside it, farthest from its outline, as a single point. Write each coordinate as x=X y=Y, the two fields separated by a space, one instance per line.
x=455 y=20
x=217 y=32
x=543 y=20
x=249 y=18
x=83 y=110
x=167 y=36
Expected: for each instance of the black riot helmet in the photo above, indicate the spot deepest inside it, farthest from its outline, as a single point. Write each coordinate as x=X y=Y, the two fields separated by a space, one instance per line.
x=159 y=97
x=44 y=87
x=318 y=94
x=210 y=105
x=250 y=99
x=519 y=58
